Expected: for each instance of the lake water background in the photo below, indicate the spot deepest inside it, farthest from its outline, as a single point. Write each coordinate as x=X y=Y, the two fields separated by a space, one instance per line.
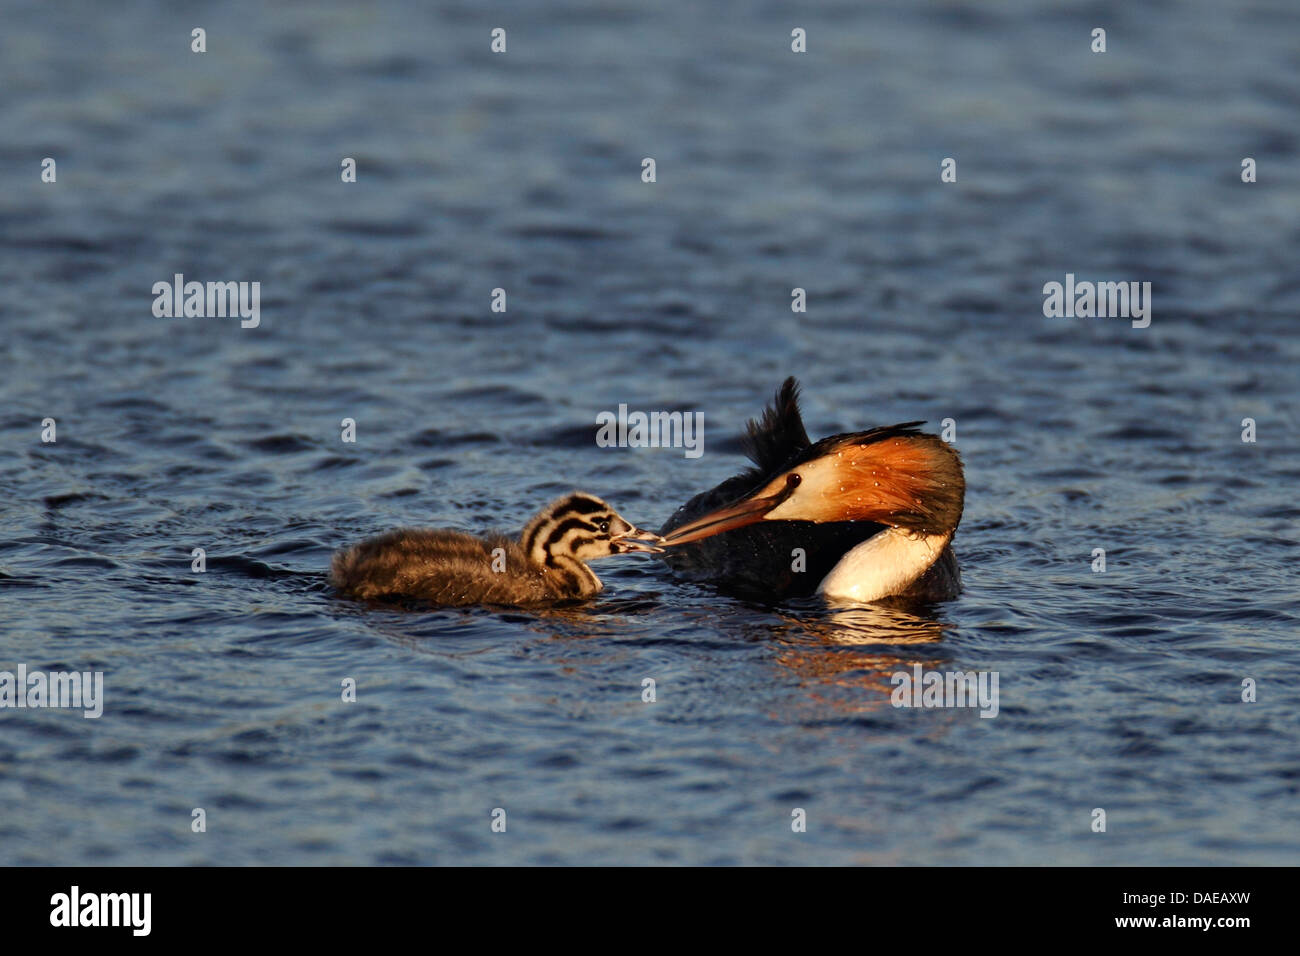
x=521 y=171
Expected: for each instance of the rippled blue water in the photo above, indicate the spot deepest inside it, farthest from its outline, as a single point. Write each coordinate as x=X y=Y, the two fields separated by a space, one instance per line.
x=1118 y=690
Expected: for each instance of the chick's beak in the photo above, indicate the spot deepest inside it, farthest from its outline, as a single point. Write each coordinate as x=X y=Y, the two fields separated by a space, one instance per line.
x=632 y=541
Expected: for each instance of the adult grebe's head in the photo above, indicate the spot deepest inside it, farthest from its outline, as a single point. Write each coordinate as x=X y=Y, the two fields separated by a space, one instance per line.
x=582 y=526
x=894 y=476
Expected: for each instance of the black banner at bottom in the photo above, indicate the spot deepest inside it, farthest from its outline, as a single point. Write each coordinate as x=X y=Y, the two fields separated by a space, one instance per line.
x=331 y=905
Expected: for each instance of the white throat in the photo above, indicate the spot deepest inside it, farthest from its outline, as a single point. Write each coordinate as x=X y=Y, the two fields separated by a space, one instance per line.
x=884 y=564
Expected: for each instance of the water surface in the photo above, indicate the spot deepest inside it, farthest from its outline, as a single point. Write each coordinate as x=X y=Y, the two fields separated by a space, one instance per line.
x=1118 y=690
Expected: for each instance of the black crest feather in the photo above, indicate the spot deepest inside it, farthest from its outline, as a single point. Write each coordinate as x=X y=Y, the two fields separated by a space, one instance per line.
x=778 y=434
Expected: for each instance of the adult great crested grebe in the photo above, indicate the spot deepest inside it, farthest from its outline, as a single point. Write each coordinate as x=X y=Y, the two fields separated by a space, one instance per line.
x=448 y=568
x=862 y=516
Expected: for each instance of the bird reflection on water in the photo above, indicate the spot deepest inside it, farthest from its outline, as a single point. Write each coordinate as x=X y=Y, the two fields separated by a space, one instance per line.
x=856 y=648
x=842 y=656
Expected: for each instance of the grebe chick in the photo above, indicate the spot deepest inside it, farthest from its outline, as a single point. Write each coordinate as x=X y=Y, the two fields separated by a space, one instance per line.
x=451 y=569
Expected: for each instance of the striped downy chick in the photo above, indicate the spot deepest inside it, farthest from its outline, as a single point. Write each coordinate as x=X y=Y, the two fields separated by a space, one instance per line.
x=449 y=568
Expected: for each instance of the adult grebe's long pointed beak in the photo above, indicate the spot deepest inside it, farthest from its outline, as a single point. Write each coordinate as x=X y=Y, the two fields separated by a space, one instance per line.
x=631 y=541
x=743 y=512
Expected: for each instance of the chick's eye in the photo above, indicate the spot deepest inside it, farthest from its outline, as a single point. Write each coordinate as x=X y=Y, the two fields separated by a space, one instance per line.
x=604 y=527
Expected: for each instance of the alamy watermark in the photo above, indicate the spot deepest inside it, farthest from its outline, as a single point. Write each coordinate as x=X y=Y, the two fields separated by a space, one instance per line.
x=652 y=430
x=946 y=689
x=1104 y=300
x=181 y=299
x=57 y=689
